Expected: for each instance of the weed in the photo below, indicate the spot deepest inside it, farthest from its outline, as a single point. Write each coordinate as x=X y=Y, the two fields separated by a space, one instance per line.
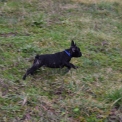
x=115 y=96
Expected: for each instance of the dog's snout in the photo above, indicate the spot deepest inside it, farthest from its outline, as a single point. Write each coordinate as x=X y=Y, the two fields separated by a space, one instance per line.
x=80 y=54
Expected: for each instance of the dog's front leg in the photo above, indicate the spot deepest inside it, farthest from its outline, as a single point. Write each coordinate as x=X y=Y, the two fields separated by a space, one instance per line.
x=69 y=65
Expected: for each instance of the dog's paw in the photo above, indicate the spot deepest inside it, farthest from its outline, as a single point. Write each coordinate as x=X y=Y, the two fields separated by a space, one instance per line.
x=24 y=77
x=32 y=73
x=76 y=67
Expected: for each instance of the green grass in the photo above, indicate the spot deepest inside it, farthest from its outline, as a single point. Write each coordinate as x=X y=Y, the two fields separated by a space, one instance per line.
x=115 y=96
x=88 y=94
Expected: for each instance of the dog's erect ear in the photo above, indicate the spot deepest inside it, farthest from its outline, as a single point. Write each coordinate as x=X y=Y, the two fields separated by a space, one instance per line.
x=73 y=43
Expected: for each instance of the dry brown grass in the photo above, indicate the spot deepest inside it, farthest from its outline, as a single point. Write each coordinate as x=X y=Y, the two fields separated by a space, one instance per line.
x=97 y=1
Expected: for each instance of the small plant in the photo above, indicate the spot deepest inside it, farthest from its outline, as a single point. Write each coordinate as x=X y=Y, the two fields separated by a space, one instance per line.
x=115 y=97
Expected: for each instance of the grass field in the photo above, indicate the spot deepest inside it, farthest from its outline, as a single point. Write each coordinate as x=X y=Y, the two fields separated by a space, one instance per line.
x=93 y=92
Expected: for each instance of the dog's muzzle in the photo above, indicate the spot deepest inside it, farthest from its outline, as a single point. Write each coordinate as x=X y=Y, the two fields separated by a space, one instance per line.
x=80 y=54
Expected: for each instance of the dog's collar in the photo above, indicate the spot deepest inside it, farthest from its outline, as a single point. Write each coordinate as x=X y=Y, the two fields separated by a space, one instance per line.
x=67 y=53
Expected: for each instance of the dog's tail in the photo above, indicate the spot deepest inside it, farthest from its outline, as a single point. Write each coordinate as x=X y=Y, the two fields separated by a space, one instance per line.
x=36 y=60
x=37 y=56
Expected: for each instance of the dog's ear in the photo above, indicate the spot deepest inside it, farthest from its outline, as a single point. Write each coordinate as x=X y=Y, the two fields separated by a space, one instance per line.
x=73 y=43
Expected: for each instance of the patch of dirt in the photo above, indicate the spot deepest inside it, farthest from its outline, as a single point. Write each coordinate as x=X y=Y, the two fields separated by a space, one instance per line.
x=8 y=34
x=69 y=6
x=96 y=1
x=115 y=115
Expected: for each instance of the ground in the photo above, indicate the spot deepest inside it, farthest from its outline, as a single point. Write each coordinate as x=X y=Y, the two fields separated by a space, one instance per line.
x=93 y=92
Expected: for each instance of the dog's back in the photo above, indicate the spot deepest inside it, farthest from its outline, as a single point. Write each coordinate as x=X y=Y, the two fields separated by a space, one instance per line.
x=52 y=60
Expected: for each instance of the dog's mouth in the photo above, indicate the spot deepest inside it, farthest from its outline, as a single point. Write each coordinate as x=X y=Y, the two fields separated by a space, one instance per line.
x=80 y=54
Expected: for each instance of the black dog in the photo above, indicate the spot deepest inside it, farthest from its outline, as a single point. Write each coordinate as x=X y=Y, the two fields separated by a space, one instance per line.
x=57 y=60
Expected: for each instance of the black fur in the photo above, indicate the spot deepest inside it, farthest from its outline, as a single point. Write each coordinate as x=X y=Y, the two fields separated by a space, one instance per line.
x=57 y=60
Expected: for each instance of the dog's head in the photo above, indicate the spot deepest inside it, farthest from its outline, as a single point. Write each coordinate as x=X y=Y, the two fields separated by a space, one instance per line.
x=74 y=50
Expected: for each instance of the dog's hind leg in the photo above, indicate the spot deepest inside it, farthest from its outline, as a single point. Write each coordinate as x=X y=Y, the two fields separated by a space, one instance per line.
x=30 y=71
x=36 y=65
x=27 y=73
